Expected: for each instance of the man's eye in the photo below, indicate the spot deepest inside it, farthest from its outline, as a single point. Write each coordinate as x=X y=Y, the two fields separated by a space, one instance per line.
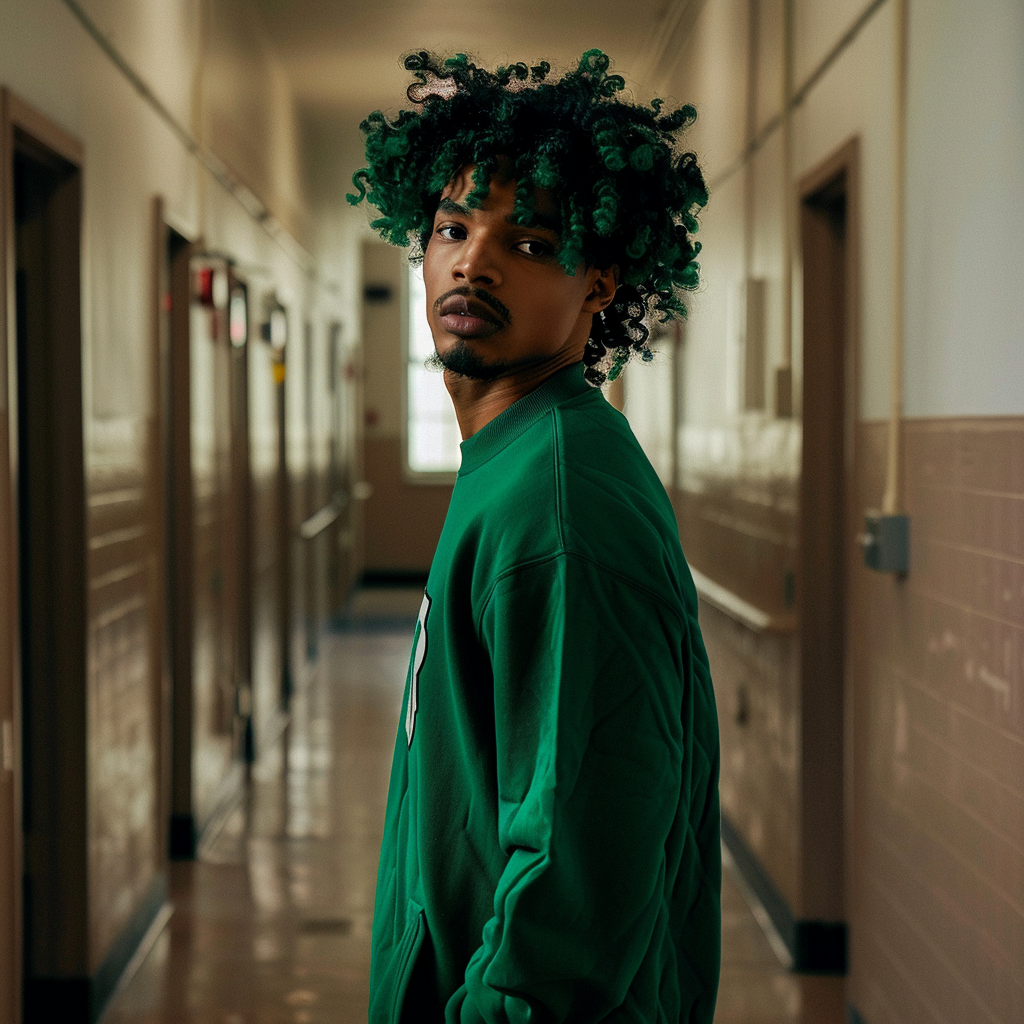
x=535 y=247
x=451 y=232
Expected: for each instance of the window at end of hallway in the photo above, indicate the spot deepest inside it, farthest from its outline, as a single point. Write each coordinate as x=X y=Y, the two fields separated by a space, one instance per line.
x=432 y=431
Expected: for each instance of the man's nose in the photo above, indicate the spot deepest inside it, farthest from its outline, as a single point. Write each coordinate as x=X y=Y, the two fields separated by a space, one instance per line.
x=477 y=263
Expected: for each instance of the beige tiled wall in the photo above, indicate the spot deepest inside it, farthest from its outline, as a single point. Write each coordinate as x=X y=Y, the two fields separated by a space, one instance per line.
x=938 y=923
x=244 y=112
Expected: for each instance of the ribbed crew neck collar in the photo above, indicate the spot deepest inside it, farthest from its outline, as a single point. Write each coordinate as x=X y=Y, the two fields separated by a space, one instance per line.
x=518 y=417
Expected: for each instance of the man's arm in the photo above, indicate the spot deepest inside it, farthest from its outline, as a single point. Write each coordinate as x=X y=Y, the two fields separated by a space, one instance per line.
x=588 y=688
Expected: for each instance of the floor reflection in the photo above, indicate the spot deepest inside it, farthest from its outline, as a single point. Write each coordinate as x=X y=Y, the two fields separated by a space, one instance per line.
x=272 y=924
x=756 y=987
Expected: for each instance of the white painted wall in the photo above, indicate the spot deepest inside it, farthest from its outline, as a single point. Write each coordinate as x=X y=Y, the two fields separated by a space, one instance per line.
x=854 y=98
x=965 y=192
x=965 y=209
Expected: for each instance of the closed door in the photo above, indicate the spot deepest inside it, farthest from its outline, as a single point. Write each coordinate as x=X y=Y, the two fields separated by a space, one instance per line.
x=826 y=531
x=51 y=531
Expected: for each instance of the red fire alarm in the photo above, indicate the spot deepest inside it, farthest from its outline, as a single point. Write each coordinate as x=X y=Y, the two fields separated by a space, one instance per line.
x=204 y=285
x=212 y=287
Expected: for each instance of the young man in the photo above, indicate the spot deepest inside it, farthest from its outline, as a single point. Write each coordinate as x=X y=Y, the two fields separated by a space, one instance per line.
x=551 y=847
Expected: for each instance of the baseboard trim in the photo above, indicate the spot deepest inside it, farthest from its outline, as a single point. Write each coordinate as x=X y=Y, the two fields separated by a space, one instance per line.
x=393 y=578
x=183 y=837
x=814 y=947
x=82 y=1000
x=117 y=971
x=188 y=835
x=229 y=793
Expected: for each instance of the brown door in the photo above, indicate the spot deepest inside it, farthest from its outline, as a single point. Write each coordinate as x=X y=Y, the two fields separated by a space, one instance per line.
x=339 y=482
x=285 y=571
x=177 y=400
x=44 y=232
x=209 y=566
x=10 y=722
x=216 y=510
x=268 y=532
x=827 y=234
x=313 y=498
x=240 y=573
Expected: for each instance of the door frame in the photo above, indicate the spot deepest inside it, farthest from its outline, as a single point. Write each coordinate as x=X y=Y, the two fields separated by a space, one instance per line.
x=16 y=117
x=190 y=826
x=829 y=855
x=171 y=400
x=241 y=494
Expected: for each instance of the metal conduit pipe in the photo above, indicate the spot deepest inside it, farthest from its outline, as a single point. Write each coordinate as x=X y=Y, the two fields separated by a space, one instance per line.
x=893 y=495
x=784 y=373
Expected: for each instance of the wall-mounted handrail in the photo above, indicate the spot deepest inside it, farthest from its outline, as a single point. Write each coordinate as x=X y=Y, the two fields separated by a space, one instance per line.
x=325 y=517
x=737 y=608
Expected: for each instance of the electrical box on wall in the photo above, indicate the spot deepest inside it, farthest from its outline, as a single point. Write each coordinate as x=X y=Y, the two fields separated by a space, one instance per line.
x=886 y=543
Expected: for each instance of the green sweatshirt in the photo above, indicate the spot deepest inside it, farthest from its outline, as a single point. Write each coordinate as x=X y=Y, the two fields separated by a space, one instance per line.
x=551 y=846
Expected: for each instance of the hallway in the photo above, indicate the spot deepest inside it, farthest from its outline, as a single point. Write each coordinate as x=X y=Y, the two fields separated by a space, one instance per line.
x=218 y=421
x=271 y=925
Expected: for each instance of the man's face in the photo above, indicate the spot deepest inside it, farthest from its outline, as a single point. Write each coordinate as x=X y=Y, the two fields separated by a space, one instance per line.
x=498 y=301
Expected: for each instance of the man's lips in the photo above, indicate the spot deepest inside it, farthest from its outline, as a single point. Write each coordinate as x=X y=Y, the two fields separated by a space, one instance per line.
x=466 y=316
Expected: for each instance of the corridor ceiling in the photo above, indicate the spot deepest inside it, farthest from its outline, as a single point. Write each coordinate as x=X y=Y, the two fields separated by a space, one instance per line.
x=344 y=57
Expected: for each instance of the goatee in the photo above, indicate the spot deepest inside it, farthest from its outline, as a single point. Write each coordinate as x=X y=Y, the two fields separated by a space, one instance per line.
x=462 y=360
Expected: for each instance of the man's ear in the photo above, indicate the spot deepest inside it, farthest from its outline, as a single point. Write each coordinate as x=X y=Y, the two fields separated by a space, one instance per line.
x=602 y=288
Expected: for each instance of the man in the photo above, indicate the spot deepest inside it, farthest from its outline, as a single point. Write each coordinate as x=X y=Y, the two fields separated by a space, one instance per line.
x=551 y=847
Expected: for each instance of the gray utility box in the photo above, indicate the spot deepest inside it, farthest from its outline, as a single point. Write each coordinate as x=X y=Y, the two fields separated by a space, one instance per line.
x=886 y=543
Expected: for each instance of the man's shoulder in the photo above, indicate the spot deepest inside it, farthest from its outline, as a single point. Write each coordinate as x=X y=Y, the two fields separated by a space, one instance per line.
x=582 y=464
x=606 y=482
x=611 y=509
x=576 y=482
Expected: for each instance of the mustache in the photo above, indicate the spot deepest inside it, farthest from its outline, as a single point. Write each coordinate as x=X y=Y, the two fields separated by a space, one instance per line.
x=467 y=291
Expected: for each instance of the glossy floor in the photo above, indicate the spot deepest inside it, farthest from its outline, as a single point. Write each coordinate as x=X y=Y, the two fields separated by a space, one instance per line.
x=272 y=924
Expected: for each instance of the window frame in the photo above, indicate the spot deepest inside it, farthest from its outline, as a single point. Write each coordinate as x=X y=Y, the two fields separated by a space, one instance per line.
x=428 y=477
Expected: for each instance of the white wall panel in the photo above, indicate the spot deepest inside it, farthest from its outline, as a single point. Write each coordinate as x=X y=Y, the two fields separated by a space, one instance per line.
x=817 y=27
x=965 y=209
x=764 y=173
x=770 y=27
x=41 y=55
x=160 y=39
x=711 y=73
x=704 y=380
x=855 y=98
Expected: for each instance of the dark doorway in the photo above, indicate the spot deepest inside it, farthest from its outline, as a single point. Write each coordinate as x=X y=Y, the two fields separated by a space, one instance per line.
x=241 y=574
x=827 y=236
x=207 y=459
x=52 y=566
x=312 y=569
x=286 y=565
x=175 y=298
x=338 y=476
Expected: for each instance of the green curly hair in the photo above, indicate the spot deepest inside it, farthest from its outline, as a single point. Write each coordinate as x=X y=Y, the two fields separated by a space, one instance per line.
x=625 y=194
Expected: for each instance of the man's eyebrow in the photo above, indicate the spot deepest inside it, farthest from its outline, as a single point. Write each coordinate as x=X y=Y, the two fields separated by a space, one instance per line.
x=537 y=220
x=447 y=205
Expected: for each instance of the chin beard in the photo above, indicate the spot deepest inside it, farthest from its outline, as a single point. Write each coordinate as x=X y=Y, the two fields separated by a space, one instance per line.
x=464 y=362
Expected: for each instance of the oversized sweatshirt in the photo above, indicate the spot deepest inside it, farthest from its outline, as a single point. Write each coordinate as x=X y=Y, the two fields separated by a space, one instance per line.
x=551 y=843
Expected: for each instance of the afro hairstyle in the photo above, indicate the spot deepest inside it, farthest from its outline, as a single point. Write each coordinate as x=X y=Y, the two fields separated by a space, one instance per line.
x=625 y=193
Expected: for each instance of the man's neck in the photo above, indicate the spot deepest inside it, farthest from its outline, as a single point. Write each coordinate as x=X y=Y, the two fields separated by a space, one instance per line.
x=477 y=402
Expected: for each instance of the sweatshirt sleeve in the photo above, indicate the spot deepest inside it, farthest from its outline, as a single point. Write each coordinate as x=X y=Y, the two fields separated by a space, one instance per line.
x=588 y=678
